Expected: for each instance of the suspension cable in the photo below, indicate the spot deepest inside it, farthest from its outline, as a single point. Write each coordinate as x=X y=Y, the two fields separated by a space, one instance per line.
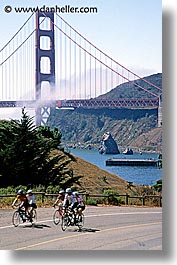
x=109 y=56
x=16 y=33
x=20 y=45
x=107 y=66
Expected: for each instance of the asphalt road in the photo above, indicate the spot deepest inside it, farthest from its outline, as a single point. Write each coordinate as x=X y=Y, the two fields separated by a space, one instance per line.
x=105 y=228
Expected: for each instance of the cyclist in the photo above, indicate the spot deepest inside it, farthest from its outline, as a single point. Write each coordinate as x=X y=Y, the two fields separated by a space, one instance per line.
x=24 y=201
x=80 y=205
x=31 y=202
x=69 y=199
x=60 y=198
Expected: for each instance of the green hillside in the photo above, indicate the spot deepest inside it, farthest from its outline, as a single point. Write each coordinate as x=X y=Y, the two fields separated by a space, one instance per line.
x=130 y=90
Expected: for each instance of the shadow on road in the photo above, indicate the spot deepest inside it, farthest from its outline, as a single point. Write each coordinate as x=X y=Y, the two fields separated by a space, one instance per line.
x=84 y=230
x=39 y=226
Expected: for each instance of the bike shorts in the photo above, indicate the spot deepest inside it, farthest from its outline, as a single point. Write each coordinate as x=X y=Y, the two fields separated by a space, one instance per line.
x=33 y=205
x=81 y=207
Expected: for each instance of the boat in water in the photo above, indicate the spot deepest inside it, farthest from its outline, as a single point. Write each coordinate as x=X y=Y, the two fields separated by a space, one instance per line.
x=128 y=151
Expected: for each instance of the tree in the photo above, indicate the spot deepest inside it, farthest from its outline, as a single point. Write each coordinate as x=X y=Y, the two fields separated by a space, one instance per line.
x=54 y=135
x=158 y=185
x=26 y=155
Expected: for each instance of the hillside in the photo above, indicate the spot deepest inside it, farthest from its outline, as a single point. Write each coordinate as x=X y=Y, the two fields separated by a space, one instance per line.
x=96 y=180
x=130 y=128
x=130 y=90
x=149 y=139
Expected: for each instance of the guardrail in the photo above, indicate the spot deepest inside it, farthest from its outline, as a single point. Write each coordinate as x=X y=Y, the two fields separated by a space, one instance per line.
x=108 y=198
x=127 y=198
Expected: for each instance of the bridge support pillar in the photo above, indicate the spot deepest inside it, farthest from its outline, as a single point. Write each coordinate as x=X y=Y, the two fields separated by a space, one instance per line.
x=44 y=53
x=160 y=112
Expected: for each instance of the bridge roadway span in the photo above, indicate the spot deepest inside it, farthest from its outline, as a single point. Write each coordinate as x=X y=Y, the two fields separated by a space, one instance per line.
x=134 y=103
x=106 y=228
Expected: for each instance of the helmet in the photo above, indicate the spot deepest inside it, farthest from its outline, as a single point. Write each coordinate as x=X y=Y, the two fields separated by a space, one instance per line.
x=29 y=191
x=76 y=193
x=68 y=190
x=20 y=192
x=61 y=192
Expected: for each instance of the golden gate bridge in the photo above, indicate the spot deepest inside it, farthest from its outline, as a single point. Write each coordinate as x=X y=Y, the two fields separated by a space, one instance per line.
x=49 y=64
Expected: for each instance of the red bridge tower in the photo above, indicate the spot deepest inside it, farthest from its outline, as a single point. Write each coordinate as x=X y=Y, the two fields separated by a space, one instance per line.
x=42 y=111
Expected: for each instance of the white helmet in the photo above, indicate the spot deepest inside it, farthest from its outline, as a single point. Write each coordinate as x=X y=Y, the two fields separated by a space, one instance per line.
x=29 y=191
x=68 y=190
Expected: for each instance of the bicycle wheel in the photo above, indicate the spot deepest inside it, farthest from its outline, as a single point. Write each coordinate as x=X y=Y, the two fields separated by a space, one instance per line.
x=56 y=217
x=64 y=222
x=80 y=222
x=16 y=219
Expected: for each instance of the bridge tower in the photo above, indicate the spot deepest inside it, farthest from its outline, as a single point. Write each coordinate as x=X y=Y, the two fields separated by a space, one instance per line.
x=44 y=32
x=160 y=112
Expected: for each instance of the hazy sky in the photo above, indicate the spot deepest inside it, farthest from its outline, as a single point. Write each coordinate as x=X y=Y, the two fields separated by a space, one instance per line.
x=130 y=31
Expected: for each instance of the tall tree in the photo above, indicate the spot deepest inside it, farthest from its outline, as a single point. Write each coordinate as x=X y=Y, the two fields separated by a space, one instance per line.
x=25 y=155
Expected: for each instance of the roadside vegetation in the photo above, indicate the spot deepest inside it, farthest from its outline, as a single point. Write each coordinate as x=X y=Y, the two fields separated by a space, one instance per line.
x=135 y=194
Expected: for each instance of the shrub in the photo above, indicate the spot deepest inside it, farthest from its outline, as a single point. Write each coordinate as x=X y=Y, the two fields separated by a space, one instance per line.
x=114 y=198
x=53 y=189
x=91 y=202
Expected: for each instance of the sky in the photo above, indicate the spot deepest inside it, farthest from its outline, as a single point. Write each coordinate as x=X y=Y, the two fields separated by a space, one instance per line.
x=129 y=31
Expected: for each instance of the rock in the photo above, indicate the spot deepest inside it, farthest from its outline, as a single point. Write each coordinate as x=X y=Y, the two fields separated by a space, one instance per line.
x=108 y=145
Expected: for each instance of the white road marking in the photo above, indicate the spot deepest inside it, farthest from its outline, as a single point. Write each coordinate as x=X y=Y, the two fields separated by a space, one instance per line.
x=92 y=215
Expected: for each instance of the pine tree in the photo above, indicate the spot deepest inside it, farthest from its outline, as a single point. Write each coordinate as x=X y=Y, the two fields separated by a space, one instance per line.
x=26 y=155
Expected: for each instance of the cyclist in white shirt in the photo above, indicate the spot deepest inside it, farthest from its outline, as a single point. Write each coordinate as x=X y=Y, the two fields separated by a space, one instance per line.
x=69 y=199
x=31 y=201
x=80 y=205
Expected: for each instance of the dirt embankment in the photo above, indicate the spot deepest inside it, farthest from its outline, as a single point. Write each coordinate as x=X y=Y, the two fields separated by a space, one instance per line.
x=96 y=180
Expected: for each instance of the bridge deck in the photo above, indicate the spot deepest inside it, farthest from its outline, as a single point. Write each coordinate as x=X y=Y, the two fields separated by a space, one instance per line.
x=86 y=103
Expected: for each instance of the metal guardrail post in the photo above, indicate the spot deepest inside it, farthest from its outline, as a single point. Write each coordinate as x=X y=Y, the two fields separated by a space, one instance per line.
x=143 y=200
x=126 y=199
x=86 y=197
x=160 y=201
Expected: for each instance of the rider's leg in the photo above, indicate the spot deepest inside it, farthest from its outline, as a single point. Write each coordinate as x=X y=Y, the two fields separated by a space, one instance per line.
x=30 y=210
x=23 y=211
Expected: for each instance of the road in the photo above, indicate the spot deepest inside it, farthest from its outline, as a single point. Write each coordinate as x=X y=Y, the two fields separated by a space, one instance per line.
x=105 y=228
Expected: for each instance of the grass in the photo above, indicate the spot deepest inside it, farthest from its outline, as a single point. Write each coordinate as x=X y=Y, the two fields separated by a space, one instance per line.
x=96 y=180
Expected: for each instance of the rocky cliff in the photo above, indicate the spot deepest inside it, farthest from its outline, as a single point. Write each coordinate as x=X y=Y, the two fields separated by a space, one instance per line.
x=108 y=145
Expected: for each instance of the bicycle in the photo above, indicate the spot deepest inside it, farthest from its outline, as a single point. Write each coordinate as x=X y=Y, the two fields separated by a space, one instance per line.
x=57 y=215
x=70 y=219
x=20 y=216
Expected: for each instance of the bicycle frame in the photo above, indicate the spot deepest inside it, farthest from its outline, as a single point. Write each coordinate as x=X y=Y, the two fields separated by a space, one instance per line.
x=70 y=218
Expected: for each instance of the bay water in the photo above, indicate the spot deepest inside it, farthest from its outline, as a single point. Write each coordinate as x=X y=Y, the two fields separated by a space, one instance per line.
x=136 y=174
